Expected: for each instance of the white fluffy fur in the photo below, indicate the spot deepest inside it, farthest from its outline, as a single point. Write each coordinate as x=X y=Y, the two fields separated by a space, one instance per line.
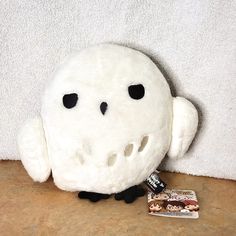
x=33 y=150
x=185 y=122
x=79 y=142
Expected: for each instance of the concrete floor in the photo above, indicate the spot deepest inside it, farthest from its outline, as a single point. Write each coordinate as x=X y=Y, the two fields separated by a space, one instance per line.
x=28 y=208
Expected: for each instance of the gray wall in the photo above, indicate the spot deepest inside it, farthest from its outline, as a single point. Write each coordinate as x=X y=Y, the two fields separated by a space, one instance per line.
x=192 y=41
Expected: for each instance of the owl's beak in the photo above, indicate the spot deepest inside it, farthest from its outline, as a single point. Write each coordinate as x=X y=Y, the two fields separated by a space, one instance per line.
x=103 y=107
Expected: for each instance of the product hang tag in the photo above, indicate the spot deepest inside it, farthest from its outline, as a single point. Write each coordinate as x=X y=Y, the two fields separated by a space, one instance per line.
x=173 y=203
x=154 y=182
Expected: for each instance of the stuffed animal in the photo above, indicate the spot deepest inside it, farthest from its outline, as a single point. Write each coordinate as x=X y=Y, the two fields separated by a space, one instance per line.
x=107 y=121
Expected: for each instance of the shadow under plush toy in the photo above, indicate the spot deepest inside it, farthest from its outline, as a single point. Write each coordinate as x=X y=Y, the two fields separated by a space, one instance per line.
x=107 y=121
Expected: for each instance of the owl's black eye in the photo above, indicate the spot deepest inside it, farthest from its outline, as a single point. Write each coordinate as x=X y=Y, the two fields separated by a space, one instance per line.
x=136 y=91
x=70 y=100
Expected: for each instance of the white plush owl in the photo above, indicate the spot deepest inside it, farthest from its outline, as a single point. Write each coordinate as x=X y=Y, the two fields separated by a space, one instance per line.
x=107 y=121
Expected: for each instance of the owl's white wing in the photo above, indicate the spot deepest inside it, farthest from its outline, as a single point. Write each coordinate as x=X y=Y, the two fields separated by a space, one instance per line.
x=184 y=127
x=33 y=150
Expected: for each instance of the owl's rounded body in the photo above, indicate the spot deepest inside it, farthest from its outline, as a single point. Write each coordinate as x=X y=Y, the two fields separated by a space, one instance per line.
x=107 y=118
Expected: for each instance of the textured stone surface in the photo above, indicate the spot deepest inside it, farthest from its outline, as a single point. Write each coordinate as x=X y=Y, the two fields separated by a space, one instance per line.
x=28 y=208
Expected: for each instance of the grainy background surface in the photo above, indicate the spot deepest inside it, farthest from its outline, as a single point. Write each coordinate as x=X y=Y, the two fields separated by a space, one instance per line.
x=28 y=208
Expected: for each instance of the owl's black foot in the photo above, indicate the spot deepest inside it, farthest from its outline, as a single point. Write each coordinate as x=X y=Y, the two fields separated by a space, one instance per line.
x=129 y=195
x=93 y=197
